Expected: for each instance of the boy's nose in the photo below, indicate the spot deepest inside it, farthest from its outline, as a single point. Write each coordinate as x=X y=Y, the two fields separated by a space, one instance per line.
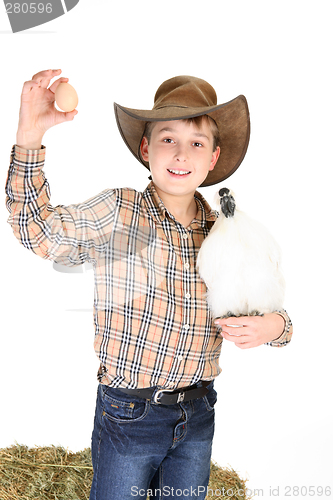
x=181 y=154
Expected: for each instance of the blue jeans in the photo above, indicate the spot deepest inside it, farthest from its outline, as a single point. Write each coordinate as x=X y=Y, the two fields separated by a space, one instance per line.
x=139 y=447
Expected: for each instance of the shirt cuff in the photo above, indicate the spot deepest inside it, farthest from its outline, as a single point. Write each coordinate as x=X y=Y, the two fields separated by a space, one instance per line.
x=286 y=335
x=31 y=157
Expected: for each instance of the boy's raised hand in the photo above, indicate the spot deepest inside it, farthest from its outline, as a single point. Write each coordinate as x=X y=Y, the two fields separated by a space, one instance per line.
x=37 y=111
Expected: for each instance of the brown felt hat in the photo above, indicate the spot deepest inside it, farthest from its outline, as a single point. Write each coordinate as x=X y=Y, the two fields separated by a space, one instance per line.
x=184 y=97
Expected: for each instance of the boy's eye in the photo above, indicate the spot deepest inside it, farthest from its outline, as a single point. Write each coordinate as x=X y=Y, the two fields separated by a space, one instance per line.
x=197 y=144
x=169 y=141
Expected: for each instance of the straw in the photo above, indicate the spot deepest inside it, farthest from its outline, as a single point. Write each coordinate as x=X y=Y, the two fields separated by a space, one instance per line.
x=54 y=473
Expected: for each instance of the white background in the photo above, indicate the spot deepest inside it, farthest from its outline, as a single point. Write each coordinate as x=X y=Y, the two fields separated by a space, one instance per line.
x=274 y=411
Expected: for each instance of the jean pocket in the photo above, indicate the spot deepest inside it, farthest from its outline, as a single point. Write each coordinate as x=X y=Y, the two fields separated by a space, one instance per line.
x=122 y=407
x=210 y=399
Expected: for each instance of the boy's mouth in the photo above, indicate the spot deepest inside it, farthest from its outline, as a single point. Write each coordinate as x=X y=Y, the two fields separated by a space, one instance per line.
x=178 y=172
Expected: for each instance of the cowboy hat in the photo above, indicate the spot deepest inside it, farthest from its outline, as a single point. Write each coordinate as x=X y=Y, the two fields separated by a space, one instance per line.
x=184 y=97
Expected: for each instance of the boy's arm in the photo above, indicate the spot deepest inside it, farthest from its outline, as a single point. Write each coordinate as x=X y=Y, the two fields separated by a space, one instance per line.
x=273 y=329
x=68 y=235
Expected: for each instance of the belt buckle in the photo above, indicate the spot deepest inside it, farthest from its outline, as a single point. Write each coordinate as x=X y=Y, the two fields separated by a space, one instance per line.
x=157 y=395
x=181 y=395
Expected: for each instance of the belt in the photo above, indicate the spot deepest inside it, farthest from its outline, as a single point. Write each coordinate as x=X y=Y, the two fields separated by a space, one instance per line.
x=168 y=396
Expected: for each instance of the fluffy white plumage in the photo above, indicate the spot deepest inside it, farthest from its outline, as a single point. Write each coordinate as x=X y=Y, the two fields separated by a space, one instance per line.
x=239 y=262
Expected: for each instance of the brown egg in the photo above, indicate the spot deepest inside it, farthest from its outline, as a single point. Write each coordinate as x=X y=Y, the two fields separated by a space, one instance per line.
x=66 y=97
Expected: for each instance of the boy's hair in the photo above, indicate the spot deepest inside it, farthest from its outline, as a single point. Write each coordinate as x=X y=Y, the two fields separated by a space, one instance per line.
x=197 y=120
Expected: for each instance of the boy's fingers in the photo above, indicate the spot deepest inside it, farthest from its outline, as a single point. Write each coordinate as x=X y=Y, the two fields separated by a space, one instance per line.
x=66 y=116
x=55 y=84
x=237 y=321
x=70 y=114
x=241 y=342
x=28 y=86
x=233 y=332
x=33 y=84
x=43 y=78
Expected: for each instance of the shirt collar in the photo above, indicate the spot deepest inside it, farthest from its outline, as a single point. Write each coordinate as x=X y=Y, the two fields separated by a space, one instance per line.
x=205 y=212
x=158 y=211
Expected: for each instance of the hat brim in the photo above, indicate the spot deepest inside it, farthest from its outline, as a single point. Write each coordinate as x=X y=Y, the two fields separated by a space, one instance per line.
x=232 y=119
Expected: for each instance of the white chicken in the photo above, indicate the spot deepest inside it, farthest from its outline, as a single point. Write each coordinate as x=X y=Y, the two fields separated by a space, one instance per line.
x=239 y=262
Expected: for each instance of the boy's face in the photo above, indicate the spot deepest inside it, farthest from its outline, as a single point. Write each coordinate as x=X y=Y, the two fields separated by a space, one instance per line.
x=180 y=155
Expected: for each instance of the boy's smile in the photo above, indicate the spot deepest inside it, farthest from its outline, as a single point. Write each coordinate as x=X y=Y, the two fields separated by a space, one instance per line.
x=179 y=172
x=180 y=156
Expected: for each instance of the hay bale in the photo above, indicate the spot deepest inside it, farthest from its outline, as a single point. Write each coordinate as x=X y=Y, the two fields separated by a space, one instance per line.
x=225 y=483
x=44 y=473
x=53 y=473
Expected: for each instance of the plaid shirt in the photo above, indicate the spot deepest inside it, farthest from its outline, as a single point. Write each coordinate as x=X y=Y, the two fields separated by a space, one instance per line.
x=152 y=323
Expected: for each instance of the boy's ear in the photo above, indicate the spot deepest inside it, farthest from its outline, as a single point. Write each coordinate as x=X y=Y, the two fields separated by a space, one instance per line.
x=215 y=157
x=144 y=149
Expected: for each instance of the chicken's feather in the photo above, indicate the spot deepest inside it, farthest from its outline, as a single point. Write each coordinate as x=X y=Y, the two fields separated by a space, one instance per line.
x=239 y=262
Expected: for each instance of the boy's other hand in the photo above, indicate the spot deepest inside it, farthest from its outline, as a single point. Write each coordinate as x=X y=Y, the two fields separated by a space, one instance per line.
x=251 y=331
x=37 y=111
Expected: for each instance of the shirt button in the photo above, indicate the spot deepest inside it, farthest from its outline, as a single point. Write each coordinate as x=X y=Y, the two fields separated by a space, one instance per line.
x=187 y=265
x=180 y=358
x=186 y=327
x=185 y=236
x=188 y=296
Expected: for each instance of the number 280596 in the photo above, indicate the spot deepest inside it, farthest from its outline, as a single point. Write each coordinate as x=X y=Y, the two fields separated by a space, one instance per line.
x=28 y=8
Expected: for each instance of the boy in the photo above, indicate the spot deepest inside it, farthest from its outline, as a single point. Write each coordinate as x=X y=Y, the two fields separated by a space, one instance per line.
x=154 y=335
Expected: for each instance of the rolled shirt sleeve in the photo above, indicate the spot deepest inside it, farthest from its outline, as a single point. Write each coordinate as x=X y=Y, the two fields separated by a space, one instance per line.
x=285 y=337
x=68 y=235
